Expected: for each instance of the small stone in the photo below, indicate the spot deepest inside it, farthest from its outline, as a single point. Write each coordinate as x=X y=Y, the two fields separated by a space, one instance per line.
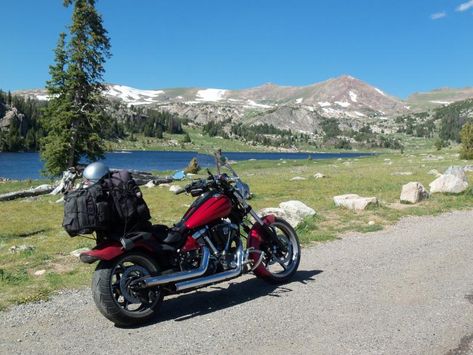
x=175 y=188
x=76 y=253
x=20 y=248
x=39 y=272
x=319 y=176
x=371 y=223
x=298 y=178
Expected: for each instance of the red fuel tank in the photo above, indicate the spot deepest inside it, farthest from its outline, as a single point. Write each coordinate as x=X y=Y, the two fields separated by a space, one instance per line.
x=212 y=208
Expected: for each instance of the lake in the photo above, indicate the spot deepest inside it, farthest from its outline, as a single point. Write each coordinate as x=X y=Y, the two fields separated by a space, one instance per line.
x=23 y=166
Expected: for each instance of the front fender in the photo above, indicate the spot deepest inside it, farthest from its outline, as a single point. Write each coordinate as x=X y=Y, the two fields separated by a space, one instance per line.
x=255 y=238
x=106 y=251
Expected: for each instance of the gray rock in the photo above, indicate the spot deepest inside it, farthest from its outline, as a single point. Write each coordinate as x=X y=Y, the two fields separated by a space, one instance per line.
x=293 y=211
x=453 y=181
x=448 y=184
x=354 y=202
x=413 y=192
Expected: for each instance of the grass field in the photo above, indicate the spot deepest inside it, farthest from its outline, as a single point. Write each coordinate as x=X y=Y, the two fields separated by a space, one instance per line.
x=36 y=222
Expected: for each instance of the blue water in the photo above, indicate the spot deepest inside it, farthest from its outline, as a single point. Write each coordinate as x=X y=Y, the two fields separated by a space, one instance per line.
x=22 y=166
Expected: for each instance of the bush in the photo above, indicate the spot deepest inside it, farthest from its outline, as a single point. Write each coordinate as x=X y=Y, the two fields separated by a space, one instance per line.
x=186 y=138
x=193 y=167
x=466 y=136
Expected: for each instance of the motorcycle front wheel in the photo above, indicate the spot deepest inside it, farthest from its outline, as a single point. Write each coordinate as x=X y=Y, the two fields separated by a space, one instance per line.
x=116 y=299
x=278 y=266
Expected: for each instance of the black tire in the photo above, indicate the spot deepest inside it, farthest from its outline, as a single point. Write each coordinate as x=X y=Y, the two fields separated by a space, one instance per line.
x=288 y=261
x=114 y=298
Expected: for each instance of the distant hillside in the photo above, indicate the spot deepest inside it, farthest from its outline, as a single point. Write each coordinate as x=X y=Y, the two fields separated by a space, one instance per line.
x=424 y=101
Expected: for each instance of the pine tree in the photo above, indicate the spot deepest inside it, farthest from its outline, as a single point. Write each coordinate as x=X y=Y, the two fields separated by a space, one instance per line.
x=466 y=135
x=73 y=118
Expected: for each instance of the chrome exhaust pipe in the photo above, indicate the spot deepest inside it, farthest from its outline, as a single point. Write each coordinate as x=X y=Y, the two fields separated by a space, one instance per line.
x=180 y=275
x=211 y=279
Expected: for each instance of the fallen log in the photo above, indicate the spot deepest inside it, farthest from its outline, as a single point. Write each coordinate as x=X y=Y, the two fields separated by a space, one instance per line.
x=37 y=191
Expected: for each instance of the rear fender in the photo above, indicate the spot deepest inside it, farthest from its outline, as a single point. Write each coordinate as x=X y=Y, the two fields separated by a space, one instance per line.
x=105 y=251
x=111 y=250
x=255 y=238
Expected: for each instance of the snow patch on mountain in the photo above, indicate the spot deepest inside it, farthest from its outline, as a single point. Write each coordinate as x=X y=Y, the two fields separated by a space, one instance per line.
x=251 y=103
x=441 y=102
x=382 y=93
x=212 y=95
x=132 y=95
x=353 y=96
x=42 y=97
x=343 y=103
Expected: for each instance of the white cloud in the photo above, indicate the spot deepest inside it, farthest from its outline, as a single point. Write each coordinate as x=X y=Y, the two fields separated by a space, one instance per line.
x=465 y=6
x=438 y=15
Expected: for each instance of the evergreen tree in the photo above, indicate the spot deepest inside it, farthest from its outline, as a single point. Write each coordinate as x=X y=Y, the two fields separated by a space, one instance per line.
x=466 y=135
x=73 y=118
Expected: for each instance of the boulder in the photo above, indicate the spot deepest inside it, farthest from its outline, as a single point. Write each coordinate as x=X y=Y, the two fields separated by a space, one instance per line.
x=354 y=202
x=449 y=184
x=453 y=181
x=293 y=211
x=413 y=192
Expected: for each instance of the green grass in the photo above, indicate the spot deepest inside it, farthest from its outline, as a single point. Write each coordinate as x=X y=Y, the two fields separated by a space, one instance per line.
x=37 y=222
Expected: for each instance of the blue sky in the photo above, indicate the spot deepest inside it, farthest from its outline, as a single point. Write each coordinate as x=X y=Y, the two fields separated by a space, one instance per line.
x=401 y=46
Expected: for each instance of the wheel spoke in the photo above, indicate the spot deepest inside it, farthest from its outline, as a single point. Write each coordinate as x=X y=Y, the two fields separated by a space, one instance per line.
x=280 y=263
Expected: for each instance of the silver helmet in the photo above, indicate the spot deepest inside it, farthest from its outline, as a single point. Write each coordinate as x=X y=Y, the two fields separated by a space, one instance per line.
x=95 y=171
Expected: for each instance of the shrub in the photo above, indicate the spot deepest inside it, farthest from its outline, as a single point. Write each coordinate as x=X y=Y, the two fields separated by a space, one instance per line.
x=193 y=167
x=466 y=136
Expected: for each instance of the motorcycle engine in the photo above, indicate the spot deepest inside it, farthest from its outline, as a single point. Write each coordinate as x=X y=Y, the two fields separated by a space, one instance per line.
x=223 y=235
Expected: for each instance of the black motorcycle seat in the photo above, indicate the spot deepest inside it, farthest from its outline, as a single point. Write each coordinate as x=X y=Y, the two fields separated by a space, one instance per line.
x=160 y=232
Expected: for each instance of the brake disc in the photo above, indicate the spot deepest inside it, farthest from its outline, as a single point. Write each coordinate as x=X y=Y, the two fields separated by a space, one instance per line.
x=131 y=273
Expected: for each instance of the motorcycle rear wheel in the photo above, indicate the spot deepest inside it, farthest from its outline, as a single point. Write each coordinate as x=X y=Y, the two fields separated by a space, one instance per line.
x=279 y=266
x=114 y=297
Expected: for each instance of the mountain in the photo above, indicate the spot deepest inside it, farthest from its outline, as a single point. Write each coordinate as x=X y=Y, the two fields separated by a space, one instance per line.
x=427 y=100
x=351 y=101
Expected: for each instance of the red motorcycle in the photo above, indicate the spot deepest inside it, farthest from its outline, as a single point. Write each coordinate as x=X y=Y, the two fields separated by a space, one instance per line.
x=219 y=238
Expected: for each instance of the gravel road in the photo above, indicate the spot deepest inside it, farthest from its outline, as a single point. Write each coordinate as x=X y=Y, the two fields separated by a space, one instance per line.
x=405 y=290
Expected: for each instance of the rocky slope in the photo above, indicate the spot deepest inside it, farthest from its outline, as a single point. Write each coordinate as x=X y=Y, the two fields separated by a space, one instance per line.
x=351 y=101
